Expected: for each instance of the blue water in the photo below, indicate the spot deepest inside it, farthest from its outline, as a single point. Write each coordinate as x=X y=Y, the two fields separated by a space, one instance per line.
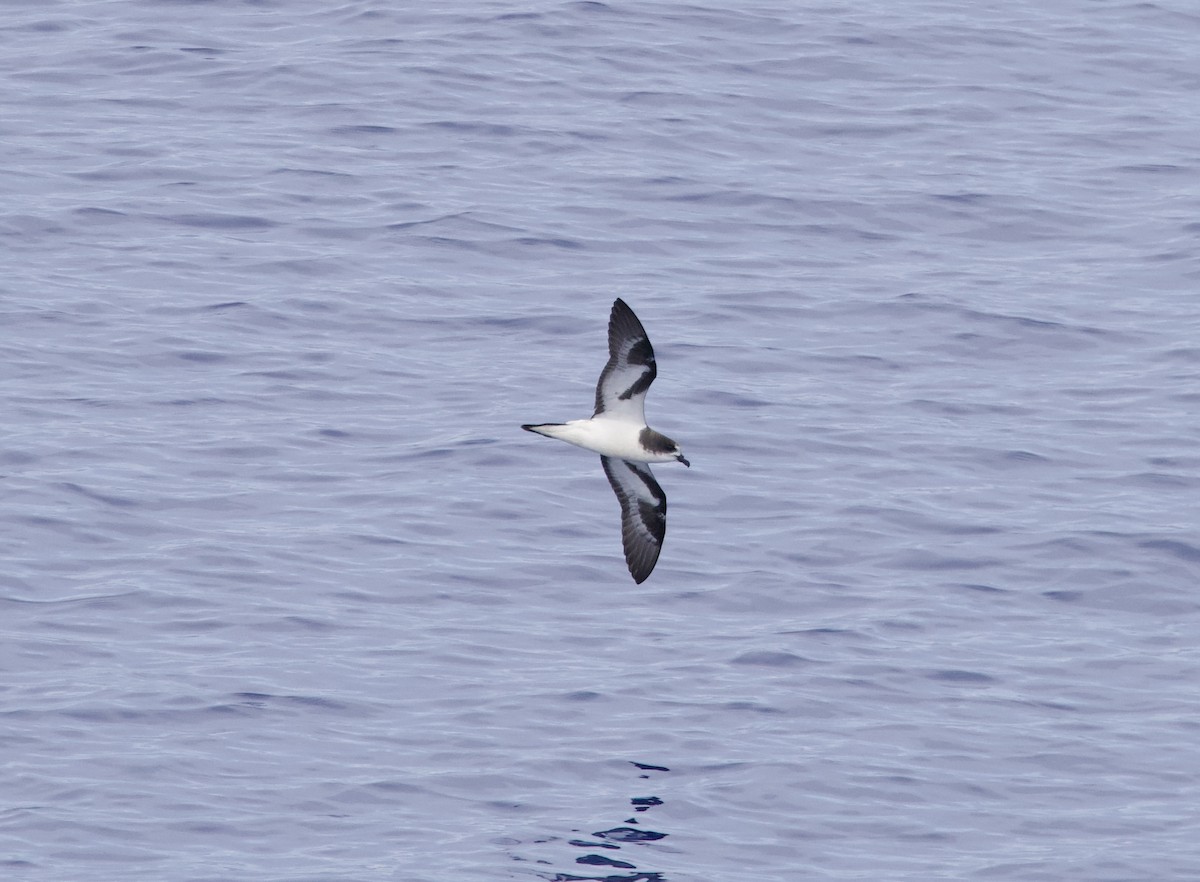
x=286 y=594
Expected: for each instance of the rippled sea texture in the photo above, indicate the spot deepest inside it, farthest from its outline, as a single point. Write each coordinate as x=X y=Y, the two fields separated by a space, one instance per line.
x=286 y=594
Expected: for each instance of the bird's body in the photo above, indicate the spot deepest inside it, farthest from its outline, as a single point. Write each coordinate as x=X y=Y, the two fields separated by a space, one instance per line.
x=618 y=432
x=610 y=437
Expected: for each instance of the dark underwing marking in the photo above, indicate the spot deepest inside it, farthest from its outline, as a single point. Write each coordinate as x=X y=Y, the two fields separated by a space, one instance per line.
x=641 y=352
x=643 y=514
x=660 y=498
x=623 y=325
x=653 y=519
x=641 y=385
x=628 y=349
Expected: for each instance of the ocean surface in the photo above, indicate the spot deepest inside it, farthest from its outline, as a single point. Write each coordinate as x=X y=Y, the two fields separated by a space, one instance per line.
x=287 y=595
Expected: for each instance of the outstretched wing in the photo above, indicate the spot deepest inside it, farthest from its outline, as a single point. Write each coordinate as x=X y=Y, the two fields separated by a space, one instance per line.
x=621 y=392
x=643 y=513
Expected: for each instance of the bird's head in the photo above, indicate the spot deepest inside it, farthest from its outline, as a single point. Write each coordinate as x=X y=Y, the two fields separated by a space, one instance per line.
x=661 y=446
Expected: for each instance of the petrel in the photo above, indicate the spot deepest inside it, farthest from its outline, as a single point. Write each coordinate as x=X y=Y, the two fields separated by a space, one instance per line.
x=618 y=432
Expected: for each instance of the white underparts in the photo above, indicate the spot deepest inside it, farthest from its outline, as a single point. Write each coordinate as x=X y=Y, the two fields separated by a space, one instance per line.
x=607 y=437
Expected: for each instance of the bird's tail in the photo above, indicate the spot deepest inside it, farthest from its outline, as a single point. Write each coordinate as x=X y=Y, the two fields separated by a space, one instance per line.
x=538 y=427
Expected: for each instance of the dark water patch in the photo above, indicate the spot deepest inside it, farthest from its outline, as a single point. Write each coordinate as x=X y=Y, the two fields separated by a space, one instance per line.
x=751 y=706
x=502 y=322
x=1160 y=479
x=264 y=701
x=491 y=130
x=377 y=539
x=443 y=219
x=201 y=357
x=47 y=26
x=645 y=803
x=1077 y=544
x=584 y=695
x=192 y=402
x=1064 y=596
x=553 y=242
x=18 y=458
x=241 y=703
x=629 y=834
x=583 y=843
x=221 y=221
x=188 y=310
x=304 y=623
x=317 y=701
x=314 y=172
x=1022 y=457
x=1153 y=168
x=1175 y=548
x=103 y=215
x=432 y=453
x=635 y=877
x=669 y=180
x=649 y=98
x=29 y=225
x=603 y=843
x=453 y=243
x=739 y=200
x=1030 y=328
x=136 y=709
x=870 y=362
x=106 y=498
x=933 y=562
x=958 y=676
x=392 y=787
x=964 y=198
x=968 y=408
x=103 y=602
x=822 y=632
x=1175 y=462
x=982 y=589
x=365 y=129
x=921 y=523
x=94 y=402
x=731 y=399
x=519 y=16
x=1028 y=323
x=771 y=659
x=605 y=861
